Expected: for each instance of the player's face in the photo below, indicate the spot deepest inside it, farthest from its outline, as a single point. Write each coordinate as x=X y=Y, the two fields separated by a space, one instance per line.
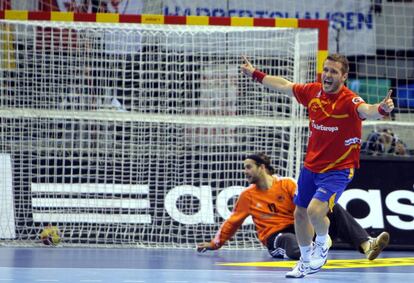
x=332 y=77
x=252 y=172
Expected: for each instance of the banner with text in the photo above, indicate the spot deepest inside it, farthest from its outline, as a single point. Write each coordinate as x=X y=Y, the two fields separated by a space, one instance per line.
x=381 y=197
x=352 y=28
x=82 y=6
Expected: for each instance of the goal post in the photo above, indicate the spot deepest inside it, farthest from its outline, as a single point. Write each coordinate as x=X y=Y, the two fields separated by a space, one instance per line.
x=132 y=130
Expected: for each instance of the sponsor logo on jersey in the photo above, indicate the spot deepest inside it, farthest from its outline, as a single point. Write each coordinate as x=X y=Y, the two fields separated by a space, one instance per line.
x=352 y=141
x=324 y=128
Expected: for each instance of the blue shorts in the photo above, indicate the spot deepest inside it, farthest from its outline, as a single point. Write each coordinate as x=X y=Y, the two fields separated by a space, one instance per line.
x=326 y=187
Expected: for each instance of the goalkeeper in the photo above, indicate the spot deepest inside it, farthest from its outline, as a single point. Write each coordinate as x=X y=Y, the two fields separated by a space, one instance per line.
x=269 y=200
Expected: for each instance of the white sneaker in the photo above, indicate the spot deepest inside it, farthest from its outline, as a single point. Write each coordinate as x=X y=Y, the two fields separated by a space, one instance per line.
x=300 y=270
x=319 y=255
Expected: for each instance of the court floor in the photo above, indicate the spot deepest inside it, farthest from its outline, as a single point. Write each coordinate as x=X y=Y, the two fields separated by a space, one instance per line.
x=93 y=265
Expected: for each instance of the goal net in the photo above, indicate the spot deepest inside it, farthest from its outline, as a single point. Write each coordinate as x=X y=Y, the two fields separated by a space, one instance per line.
x=135 y=134
x=376 y=36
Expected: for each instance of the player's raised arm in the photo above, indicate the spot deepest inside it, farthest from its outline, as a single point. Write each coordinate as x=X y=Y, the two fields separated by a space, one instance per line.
x=272 y=82
x=377 y=111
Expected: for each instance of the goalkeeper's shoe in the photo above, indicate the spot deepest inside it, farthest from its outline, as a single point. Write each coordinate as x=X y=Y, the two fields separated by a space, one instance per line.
x=376 y=245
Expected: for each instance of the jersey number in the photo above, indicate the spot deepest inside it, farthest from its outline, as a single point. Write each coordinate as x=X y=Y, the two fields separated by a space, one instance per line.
x=272 y=207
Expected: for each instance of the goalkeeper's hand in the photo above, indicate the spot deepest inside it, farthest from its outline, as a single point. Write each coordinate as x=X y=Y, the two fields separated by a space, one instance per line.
x=206 y=246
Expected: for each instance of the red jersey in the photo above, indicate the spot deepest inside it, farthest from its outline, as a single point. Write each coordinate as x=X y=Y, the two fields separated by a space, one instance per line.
x=271 y=210
x=334 y=127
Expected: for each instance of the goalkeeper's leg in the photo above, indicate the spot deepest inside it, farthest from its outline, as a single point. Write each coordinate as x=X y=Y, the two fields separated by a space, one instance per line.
x=344 y=226
x=283 y=245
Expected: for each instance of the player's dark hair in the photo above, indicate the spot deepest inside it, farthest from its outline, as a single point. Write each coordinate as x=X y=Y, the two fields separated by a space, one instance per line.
x=262 y=159
x=341 y=59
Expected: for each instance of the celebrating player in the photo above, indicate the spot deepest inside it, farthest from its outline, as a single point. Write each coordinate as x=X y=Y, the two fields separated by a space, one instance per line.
x=335 y=125
x=269 y=200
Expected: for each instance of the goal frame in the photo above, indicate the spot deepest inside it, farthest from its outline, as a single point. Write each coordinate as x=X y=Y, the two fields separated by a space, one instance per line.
x=321 y=25
x=197 y=21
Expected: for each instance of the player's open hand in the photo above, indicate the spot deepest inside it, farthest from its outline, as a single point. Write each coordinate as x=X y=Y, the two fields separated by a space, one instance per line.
x=247 y=68
x=203 y=247
x=387 y=104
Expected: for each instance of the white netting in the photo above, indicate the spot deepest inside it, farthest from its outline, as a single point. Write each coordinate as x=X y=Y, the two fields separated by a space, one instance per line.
x=142 y=142
x=377 y=36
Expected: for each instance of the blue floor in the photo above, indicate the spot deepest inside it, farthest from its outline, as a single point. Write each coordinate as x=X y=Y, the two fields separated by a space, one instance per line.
x=181 y=266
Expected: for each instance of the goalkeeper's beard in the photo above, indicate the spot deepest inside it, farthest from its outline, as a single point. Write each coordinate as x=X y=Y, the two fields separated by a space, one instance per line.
x=252 y=180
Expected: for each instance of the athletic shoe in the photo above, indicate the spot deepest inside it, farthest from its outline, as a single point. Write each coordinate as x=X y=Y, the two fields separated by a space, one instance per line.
x=376 y=245
x=319 y=255
x=300 y=270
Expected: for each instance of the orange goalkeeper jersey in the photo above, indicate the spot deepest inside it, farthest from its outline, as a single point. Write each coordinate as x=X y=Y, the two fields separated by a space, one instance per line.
x=271 y=210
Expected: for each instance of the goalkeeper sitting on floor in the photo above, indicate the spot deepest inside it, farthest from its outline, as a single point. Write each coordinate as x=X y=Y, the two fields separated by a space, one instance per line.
x=269 y=200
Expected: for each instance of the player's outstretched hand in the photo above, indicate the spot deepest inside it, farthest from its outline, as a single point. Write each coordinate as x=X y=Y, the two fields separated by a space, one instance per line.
x=247 y=68
x=387 y=104
x=203 y=247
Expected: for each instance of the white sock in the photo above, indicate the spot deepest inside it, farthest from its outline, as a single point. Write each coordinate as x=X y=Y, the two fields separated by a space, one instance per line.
x=321 y=239
x=305 y=252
